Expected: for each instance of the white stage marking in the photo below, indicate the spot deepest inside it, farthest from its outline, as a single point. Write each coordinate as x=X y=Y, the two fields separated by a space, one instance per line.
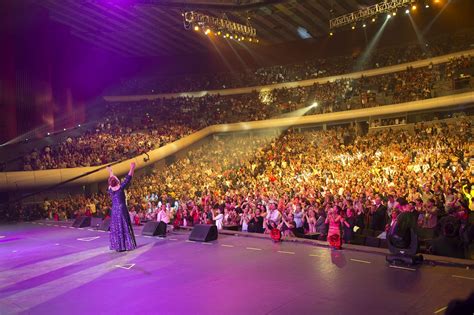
x=285 y=252
x=125 y=266
x=403 y=268
x=88 y=239
x=361 y=261
x=463 y=277
x=253 y=248
x=441 y=309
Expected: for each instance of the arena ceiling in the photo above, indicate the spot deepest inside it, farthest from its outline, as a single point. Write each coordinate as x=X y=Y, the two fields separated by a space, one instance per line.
x=139 y=28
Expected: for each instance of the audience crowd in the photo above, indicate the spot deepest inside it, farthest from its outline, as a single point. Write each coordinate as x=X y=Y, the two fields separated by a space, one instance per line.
x=131 y=129
x=309 y=69
x=297 y=180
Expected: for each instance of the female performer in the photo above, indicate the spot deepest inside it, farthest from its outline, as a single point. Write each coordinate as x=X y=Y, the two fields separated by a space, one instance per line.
x=334 y=220
x=121 y=231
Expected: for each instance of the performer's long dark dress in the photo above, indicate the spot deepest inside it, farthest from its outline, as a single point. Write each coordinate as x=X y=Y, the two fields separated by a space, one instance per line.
x=121 y=231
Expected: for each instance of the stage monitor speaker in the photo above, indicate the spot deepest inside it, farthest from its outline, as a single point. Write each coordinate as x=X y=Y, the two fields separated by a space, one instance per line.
x=105 y=225
x=96 y=222
x=153 y=228
x=203 y=233
x=82 y=221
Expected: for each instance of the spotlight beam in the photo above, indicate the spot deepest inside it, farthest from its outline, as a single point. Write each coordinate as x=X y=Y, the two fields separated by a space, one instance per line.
x=419 y=36
x=428 y=27
x=365 y=57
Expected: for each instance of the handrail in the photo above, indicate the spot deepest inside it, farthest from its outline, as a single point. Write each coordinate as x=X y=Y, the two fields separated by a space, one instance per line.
x=243 y=90
x=54 y=186
x=36 y=179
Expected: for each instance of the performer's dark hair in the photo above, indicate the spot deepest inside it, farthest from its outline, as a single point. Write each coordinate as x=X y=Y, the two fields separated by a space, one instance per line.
x=113 y=181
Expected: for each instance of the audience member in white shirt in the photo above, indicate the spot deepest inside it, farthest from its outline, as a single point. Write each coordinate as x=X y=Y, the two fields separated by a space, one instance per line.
x=163 y=215
x=244 y=219
x=298 y=214
x=273 y=215
x=219 y=218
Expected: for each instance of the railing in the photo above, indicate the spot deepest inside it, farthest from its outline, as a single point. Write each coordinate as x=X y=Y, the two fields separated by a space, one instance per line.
x=42 y=178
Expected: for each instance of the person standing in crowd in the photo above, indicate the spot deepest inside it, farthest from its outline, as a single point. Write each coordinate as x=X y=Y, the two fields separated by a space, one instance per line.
x=287 y=225
x=348 y=224
x=273 y=215
x=218 y=218
x=298 y=215
x=428 y=219
x=334 y=220
x=321 y=226
x=245 y=218
x=379 y=216
x=122 y=237
x=163 y=215
x=256 y=221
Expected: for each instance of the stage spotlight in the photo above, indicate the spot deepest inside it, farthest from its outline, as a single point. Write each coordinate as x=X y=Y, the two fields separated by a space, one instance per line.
x=79 y=125
x=48 y=133
x=413 y=7
x=373 y=20
x=331 y=33
x=364 y=25
x=353 y=27
x=64 y=129
x=407 y=11
x=216 y=26
x=427 y=5
x=250 y=39
x=315 y=104
x=389 y=16
x=227 y=35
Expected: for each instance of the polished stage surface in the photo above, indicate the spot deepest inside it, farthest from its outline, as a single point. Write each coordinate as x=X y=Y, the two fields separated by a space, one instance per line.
x=51 y=268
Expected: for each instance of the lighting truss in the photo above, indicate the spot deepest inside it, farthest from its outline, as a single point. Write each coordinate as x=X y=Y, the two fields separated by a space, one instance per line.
x=224 y=26
x=368 y=12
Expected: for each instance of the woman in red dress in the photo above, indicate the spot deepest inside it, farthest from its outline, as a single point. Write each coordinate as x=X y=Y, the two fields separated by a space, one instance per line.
x=334 y=235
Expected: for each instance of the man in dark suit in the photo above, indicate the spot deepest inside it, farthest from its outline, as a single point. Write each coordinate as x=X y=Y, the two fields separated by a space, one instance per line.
x=379 y=218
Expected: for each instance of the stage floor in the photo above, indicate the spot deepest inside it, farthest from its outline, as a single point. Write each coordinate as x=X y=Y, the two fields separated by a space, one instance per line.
x=51 y=268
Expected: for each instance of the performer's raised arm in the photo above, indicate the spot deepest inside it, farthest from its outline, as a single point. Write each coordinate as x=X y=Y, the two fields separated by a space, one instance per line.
x=129 y=176
x=132 y=169
x=111 y=173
